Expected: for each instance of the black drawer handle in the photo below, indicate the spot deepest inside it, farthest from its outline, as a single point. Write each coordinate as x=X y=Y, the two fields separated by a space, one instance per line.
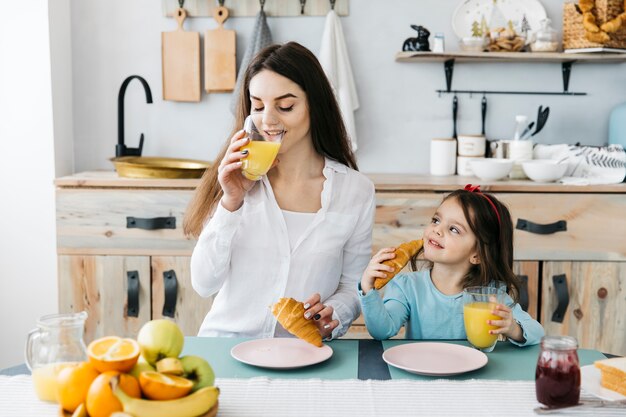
x=155 y=223
x=562 y=297
x=523 y=292
x=170 y=287
x=541 y=229
x=132 y=294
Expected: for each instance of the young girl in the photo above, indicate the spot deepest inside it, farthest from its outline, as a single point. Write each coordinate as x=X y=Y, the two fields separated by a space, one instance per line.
x=469 y=242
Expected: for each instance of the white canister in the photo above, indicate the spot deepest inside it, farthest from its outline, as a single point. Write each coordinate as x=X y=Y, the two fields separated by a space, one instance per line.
x=471 y=145
x=463 y=166
x=442 y=156
x=519 y=151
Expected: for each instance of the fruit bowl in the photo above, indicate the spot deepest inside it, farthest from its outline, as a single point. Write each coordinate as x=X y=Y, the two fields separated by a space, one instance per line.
x=491 y=169
x=544 y=170
x=211 y=413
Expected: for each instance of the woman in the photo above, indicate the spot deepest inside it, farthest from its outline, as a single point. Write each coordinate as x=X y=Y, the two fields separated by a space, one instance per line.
x=303 y=230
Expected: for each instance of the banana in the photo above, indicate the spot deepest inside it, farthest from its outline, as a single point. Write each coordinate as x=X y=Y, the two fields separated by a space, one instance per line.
x=192 y=405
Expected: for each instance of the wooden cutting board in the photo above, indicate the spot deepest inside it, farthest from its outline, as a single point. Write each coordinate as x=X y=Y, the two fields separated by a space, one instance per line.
x=220 y=64
x=181 y=62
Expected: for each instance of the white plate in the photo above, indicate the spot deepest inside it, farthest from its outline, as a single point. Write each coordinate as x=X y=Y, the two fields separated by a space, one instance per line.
x=433 y=358
x=470 y=11
x=590 y=382
x=280 y=353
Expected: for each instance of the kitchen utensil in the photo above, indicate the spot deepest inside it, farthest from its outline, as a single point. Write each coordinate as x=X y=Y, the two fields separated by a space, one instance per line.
x=471 y=145
x=154 y=167
x=455 y=109
x=542 y=118
x=544 y=170
x=526 y=133
x=468 y=14
x=483 y=114
x=583 y=405
x=220 y=65
x=491 y=169
x=181 y=62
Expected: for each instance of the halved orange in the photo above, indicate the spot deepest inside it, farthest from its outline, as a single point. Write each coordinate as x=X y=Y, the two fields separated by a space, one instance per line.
x=113 y=353
x=101 y=402
x=157 y=386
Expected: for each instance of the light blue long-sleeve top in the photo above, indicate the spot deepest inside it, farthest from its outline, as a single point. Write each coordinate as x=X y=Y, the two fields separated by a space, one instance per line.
x=413 y=299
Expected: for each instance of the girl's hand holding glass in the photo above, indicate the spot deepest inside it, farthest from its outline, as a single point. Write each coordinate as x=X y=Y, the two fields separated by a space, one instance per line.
x=322 y=315
x=507 y=326
x=376 y=268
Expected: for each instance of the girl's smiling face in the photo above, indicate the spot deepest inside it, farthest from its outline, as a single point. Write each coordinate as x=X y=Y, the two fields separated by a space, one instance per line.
x=278 y=97
x=448 y=239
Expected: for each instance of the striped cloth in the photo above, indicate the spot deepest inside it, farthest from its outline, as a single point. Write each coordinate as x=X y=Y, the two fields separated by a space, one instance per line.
x=314 y=397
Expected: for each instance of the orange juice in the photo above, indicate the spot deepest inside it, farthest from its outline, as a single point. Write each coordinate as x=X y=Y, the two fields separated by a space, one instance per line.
x=45 y=380
x=475 y=316
x=261 y=154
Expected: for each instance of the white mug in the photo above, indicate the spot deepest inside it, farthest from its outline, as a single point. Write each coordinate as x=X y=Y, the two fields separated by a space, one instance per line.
x=519 y=151
x=471 y=145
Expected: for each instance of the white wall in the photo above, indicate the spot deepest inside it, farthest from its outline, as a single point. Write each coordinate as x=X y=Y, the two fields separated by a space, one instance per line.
x=399 y=107
x=28 y=285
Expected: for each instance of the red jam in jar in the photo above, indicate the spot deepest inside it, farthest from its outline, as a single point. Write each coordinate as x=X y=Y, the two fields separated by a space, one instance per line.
x=557 y=377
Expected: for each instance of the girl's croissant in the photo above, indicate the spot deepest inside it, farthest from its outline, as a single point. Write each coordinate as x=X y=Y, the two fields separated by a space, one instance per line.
x=290 y=314
x=404 y=253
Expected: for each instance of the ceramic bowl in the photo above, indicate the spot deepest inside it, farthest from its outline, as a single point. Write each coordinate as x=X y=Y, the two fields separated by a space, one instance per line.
x=491 y=169
x=544 y=170
x=471 y=44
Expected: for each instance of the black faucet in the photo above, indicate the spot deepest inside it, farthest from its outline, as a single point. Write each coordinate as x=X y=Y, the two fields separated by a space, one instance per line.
x=120 y=148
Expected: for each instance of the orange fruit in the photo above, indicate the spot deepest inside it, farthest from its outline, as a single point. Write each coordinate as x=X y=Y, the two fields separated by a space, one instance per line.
x=101 y=401
x=157 y=386
x=113 y=353
x=73 y=383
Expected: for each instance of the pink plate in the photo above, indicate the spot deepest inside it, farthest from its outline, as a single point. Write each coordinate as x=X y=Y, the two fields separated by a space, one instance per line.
x=280 y=353
x=432 y=358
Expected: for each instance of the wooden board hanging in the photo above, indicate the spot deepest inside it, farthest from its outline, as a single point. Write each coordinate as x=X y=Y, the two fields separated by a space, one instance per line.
x=181 y=62
x=220 y=61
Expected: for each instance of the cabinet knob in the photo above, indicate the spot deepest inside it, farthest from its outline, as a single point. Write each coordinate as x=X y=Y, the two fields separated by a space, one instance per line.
x=541 y=229
x=602 y=293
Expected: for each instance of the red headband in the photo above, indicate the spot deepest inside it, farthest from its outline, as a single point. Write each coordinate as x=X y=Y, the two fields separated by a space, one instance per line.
x=476 y=189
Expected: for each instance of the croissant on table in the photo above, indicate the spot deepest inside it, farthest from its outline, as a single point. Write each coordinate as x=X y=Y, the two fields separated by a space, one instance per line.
x=404 y=253
x=290 y=314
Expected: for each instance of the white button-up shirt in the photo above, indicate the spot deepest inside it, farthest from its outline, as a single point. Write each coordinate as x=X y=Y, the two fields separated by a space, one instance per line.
x=246 y=258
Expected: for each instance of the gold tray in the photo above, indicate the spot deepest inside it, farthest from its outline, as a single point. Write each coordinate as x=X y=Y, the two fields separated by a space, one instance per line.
x=158 y=167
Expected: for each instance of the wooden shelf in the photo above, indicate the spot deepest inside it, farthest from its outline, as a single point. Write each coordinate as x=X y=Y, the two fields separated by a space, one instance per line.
x=509 y=57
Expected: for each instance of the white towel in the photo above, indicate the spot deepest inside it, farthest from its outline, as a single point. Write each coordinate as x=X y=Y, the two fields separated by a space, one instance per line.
x=336 y=63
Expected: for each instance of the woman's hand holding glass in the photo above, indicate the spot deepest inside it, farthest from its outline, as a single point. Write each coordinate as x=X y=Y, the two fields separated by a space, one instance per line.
x=234 y=185
x=322 y=315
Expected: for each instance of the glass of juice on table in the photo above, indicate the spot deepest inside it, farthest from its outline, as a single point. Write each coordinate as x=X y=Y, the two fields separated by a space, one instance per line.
x=266 y=134
x=478 y=304
x=56 y=343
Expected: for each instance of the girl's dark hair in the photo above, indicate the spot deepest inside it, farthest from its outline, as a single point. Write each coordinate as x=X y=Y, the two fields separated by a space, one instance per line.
x=494 y=241
x=328 y=132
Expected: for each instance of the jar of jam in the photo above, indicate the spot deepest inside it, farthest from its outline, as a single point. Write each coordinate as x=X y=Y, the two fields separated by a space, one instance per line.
x=557 y=377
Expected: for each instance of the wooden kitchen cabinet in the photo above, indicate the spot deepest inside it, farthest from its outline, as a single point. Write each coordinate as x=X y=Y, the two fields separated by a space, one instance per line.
x=97 y=248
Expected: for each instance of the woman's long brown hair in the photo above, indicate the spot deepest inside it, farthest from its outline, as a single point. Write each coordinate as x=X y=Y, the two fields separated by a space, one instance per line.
x=328 y=132
x=494 y=241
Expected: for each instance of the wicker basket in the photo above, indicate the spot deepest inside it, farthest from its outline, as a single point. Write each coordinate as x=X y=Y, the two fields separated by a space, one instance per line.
x=574 y=32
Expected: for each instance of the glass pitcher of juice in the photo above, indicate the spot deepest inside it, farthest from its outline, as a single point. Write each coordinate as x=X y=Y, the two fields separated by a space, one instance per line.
x=56 y=343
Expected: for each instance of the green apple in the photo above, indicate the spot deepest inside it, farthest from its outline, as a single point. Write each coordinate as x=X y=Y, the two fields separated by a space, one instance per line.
x=160 y=339
x=198 y=371
x=141 y=366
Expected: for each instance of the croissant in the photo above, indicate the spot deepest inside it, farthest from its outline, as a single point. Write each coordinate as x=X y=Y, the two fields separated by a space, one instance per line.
x=290 y=314
x=613 y=25
x=404 y=253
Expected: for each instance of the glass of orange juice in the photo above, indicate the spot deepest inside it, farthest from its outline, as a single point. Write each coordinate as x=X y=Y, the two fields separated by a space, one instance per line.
x=478 y=304
x=56 y=343
x=265 y=134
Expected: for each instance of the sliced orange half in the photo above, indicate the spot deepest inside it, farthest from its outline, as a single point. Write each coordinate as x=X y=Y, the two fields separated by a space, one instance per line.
x=157 y=386
x=113 y=353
